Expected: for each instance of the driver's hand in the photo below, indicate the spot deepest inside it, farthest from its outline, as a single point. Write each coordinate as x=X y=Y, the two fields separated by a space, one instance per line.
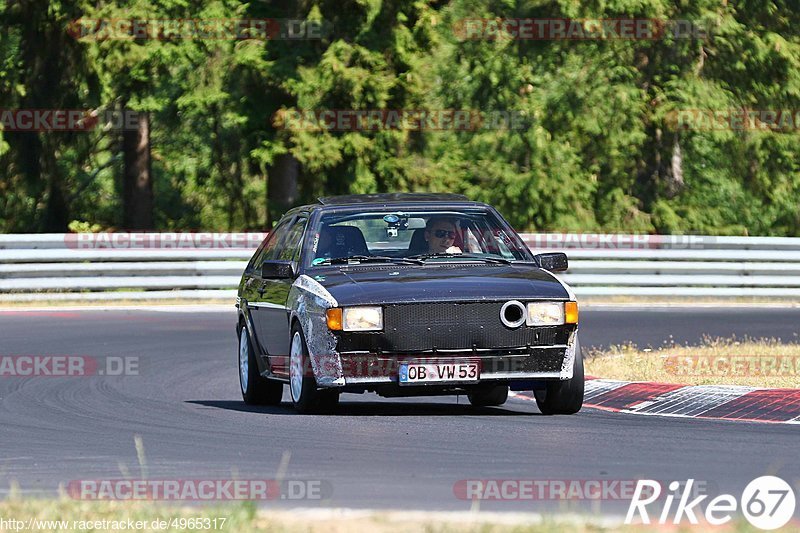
x=453 y=250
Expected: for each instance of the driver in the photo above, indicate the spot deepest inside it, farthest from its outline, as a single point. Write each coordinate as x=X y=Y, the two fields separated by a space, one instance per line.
x=440 y=234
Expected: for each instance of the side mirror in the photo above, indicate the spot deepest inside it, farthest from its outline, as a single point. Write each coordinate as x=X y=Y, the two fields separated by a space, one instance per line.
x=554 y=262
x=277 y=270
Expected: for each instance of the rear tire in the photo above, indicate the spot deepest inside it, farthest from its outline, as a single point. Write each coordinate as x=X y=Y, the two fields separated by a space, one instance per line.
x=489 y=396
x=563 y=397
x=256 y=389
x=307 y=398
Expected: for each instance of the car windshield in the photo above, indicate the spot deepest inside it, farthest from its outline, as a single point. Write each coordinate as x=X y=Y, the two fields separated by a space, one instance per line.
x=415 y=237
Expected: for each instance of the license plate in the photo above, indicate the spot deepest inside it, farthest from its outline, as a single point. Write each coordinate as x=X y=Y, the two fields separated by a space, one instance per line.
x=457 y=371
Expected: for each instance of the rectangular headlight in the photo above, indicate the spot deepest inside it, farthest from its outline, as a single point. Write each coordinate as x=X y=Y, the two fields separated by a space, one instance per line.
x=362 y=319
x=545 y=314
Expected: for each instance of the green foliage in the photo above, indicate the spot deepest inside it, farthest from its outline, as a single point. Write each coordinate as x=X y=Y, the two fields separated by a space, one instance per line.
x=78 y=226
x=595 y=145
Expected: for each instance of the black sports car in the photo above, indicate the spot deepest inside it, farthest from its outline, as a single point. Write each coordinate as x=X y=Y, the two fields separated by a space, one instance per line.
x=405 y=295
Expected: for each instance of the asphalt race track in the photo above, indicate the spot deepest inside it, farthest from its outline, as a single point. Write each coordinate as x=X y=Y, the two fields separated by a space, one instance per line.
x=377 y=453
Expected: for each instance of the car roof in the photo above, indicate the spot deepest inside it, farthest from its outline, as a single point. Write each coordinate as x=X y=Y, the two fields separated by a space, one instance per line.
x=388 y=200
x=393 y=197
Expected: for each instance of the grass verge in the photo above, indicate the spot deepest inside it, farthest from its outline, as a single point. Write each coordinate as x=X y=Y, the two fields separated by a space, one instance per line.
x=44 y=515
x=766 y=363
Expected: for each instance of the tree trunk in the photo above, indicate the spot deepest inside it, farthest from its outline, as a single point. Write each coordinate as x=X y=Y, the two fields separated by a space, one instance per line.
x=56 y=216
x=281 y=186
x=137 y=182
x=675 y=176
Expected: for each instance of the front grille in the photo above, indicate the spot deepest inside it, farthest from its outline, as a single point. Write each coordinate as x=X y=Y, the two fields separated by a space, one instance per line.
x=449 y=326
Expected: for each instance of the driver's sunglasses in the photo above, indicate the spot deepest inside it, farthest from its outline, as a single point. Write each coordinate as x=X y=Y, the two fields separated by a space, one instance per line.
x=442 y=233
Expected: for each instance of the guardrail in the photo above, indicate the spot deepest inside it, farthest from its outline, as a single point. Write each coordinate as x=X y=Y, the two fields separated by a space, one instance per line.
x=204 y=265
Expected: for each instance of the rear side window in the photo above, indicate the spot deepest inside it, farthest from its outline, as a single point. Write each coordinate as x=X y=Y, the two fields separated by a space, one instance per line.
x=269 y=248
x=290 y=247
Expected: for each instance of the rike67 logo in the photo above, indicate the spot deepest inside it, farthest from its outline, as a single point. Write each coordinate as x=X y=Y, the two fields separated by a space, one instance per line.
x=768 y=502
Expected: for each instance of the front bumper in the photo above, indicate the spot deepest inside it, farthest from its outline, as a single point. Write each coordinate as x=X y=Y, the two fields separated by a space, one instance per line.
x=360 y=368
x=438 y=332
x=551 y=362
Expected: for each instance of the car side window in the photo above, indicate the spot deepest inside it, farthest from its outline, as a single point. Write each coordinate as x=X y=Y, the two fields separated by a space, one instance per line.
x=269 y=248
x=471 y=243
x=257 y=254
x=290 y=247
x=502 y=241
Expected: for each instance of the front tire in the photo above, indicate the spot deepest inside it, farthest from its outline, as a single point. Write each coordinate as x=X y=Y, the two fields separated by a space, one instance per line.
x=563 y=397
x=256 y=389
x=307 y=398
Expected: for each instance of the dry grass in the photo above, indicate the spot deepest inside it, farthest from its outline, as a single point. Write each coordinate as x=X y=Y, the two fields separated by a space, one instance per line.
x=247 y=517
x=757 y=363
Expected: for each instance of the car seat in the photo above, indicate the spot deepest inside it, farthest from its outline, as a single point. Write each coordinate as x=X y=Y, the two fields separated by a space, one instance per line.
x=341 y=241
x=418 y=244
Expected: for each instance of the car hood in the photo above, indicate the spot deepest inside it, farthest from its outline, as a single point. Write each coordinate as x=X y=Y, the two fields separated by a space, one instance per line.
x=385 y=284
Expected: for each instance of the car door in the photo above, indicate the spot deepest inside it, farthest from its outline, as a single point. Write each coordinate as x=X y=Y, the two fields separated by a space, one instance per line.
x=272 y=311
x=252 y=275
x=253 y=290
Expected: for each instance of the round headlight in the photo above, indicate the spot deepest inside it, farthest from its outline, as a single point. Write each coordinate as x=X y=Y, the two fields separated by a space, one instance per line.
x=512 y=314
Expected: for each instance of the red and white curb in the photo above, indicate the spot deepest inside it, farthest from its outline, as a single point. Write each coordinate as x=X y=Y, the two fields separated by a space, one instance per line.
x=716 y=402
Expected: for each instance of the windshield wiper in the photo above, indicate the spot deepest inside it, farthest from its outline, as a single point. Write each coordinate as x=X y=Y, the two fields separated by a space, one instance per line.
x=370 y=259
x=489 y=259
